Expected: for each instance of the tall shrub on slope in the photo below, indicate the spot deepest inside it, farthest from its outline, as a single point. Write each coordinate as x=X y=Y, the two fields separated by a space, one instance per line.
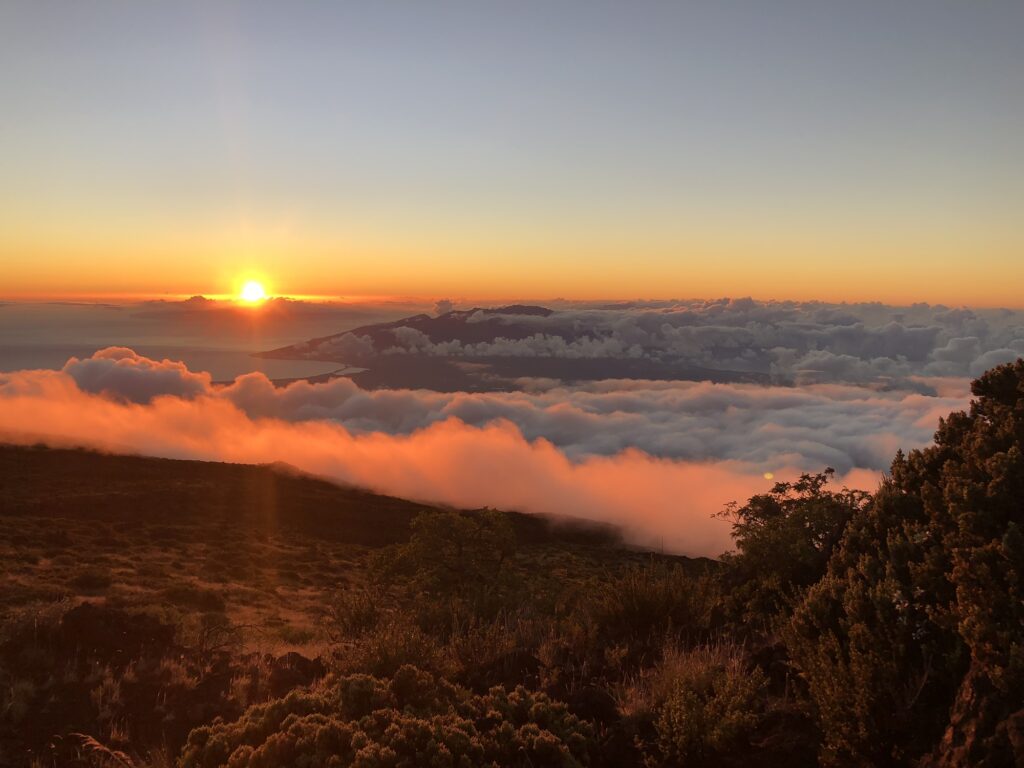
x=911 y=644
x=784 y=539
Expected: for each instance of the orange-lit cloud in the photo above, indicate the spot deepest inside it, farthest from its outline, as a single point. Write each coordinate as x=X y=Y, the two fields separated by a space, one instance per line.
x=163 y=409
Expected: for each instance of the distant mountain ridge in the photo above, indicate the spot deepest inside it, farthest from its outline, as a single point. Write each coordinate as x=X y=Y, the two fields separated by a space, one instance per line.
x=450 y=326
x=488 y=349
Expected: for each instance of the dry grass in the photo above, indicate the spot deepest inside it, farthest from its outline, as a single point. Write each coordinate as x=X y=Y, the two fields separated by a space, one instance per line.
x=643 y=693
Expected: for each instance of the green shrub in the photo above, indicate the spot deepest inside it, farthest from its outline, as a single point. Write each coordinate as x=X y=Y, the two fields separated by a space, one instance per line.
x=455 y=555
x=879 y=662
x=353 y=612
x=500 y=652
x=296 y=635
x=195 y=597
x=391 y=645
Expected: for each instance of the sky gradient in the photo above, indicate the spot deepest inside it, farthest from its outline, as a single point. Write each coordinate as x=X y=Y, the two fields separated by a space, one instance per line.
x=842 y=151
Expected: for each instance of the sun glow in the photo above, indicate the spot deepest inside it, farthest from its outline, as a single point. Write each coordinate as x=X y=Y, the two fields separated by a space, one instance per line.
x=252 y=292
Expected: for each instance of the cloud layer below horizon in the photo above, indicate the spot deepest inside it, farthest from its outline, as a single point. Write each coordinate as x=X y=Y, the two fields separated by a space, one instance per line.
x=658 y=458
x=785 y=341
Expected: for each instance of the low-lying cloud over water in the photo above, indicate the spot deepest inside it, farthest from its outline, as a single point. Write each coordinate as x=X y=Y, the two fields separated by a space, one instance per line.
x=787 y=341
x=658 y=458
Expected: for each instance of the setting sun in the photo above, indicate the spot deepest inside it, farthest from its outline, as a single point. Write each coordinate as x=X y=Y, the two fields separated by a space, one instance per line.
x=252 y=291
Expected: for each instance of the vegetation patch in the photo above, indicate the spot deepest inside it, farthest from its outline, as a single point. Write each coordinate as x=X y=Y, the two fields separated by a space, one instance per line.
x=846 y=629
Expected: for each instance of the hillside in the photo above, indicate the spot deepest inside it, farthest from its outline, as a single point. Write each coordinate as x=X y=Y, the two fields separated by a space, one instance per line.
x=84 y=486
x=159 y=613
x=234 y=571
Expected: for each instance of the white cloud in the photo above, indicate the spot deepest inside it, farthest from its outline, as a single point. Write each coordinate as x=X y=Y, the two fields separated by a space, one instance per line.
x=792 y=341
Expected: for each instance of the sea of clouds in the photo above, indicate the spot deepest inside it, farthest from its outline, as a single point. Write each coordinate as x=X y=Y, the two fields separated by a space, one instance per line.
x=793 y=342
x=658 y=458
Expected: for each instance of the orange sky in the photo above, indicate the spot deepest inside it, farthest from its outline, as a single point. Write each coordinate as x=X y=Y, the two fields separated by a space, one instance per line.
x=857 y=272
x=694 y=150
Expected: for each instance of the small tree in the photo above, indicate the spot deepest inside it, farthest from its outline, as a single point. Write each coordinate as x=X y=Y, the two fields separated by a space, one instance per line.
x=458 y=555
x=784 y=539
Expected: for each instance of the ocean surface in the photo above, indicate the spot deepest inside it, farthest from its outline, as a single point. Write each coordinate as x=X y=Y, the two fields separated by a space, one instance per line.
x=219 y=341
x=221 y=364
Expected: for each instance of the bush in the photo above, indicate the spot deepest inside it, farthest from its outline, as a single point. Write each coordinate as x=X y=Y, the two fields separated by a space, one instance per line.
x=411 y=719
x=879 y=668
x=391 y=645
x=499 y=652
x=196 y=598
x=711 y=702
x=784 y=539
x=912 y=642
x=352 y=613
x=455 y=555
x=646 y=605
x=93 y=579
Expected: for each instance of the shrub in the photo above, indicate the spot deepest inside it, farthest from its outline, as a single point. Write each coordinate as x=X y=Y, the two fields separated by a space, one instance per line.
x=914 y=634
x=391 y=645
x=784 y=539
x=879 y=668
x=352 y=613
x=411 y=719
x=457 y=555
x=707 y=701
x=499 y=652
x=643 y=607
x=296 y=635
x=197 y=598
x=92 y=579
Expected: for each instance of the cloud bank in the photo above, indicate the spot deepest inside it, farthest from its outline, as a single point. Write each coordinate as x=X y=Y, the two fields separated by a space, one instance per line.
x=790 y=342
x=658 y=458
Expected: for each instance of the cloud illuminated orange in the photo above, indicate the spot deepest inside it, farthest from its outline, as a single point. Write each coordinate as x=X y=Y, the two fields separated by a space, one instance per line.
x=162 y=409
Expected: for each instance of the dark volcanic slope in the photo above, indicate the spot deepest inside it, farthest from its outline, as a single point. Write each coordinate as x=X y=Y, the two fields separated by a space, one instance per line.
x=84 y=485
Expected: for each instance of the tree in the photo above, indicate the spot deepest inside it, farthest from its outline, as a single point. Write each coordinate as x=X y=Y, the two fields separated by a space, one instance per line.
x=784 y=539
x=916 y=632
x=463 y=555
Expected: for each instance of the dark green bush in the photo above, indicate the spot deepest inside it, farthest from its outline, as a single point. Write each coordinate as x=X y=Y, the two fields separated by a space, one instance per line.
x=460 y=557
x=392 y=644
x=353 y=612
x=916 y=632
x=784 y=539
x=198 y=598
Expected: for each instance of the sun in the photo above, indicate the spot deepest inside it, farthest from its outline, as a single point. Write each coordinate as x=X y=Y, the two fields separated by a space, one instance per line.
x=252 y=292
